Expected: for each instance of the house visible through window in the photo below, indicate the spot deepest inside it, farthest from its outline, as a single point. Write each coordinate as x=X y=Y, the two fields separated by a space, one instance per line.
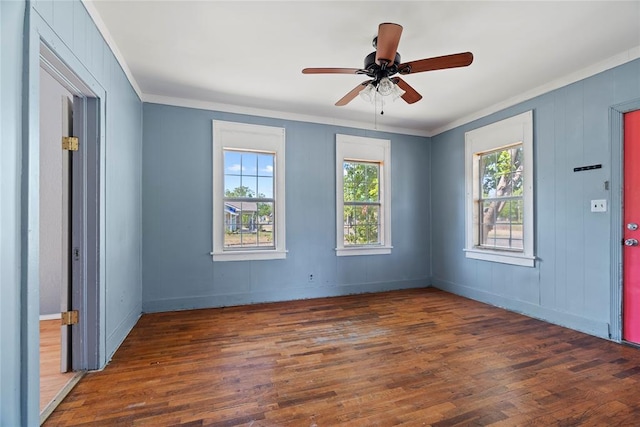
x=499 y=191
x=363 y=196
x=248 y=192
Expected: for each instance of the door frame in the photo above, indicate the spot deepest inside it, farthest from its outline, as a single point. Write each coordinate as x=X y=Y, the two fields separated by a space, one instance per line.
x=616 y=123
x=43 y=47
x=86 y=207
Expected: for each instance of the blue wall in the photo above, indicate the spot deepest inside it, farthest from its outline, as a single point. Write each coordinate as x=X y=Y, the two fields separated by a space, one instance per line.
x=571 y=283
x=68 y=29
x=178 y=272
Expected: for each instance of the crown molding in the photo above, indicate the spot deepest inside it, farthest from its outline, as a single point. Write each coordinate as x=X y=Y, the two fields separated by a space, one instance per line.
x=607 y=64
x=260 y=112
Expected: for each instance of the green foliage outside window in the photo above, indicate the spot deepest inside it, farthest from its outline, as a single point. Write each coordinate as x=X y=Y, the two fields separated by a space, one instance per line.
x=361 y=203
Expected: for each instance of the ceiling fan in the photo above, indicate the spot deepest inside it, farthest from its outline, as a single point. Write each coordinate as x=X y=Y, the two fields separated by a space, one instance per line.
x=384 y=63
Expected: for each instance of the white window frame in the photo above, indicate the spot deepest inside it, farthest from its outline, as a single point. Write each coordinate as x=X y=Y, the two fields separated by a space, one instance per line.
x=514 y=130
x=257 y=138
x=372 y=150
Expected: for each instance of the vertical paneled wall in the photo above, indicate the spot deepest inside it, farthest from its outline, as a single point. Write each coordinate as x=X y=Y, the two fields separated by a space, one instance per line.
x=571 y=283
x=122 y=208
x=178 y=271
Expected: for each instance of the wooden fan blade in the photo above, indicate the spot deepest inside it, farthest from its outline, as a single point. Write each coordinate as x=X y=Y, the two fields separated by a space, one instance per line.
x=410 y=94
x=330 y=71
x=437 y=63
x=387 y=44
x=354 y=92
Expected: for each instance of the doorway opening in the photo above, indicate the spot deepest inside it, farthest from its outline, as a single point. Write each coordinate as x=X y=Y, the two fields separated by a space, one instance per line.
x=68 y=229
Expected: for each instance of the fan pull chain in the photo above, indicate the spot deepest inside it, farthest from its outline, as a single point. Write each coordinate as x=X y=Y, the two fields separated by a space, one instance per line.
x=375 y=111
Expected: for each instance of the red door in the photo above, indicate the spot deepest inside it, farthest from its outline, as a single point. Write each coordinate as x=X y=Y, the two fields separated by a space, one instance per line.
x=631 y=251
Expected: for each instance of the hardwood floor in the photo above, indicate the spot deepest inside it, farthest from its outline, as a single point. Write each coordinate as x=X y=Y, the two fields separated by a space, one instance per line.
x=51 y=379
x=415 y=358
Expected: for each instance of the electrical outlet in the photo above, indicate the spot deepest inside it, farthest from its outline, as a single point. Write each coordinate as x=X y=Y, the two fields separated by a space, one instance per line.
x=312 y=278
x=599 y=205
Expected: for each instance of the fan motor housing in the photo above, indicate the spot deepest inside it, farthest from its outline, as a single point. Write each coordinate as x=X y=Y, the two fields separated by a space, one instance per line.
x=376 y=71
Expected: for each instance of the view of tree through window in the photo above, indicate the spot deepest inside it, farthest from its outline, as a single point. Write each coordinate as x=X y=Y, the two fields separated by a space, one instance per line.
x=361 y=203
x=501 y=204
x=248 y=199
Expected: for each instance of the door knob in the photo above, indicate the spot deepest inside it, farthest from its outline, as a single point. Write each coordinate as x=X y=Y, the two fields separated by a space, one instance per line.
x=631 y=242
x=632 y=226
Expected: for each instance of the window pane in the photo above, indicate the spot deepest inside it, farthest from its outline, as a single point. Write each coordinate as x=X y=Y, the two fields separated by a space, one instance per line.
x=232 y=163
x=249 y=238
x=488 y=165
x=360 y=181
x=502 y=172
x=265 y=224
x=249 y=164
x=361 y=225
x=250 y=186
x=265 y=164
x=371 y=183
x=350 y=177
x=232 y=185
x=265 y=187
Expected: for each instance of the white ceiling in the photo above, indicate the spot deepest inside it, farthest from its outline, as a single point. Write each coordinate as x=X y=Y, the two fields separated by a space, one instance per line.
x=243 y=56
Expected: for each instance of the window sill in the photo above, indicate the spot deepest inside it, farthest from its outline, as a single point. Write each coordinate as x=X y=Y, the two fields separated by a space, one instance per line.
x=248 y=255
x=501 y=257
x=364 y=250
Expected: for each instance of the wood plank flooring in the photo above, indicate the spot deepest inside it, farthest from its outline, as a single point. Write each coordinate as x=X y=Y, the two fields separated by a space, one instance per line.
x=415 y=358
x=51 y=379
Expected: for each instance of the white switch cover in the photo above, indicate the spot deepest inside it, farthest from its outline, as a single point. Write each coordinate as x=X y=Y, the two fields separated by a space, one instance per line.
x=599 y=205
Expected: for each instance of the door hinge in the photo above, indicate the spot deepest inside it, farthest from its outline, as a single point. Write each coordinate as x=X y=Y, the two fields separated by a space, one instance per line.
x=70 y=143
x=69 y=317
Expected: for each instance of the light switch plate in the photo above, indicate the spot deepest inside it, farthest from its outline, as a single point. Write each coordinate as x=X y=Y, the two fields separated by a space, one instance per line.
x=599 y=205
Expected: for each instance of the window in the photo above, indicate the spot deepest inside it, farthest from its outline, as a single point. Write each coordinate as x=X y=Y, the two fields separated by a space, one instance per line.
x=499 y=191
x=363 y=199
x=248 y=192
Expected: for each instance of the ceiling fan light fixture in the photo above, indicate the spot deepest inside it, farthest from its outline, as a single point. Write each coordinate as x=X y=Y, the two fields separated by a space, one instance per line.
x=385 y=87
x=368 y=93
x=397 y=92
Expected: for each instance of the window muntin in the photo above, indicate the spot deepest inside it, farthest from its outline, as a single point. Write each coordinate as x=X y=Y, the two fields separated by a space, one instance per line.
x=248 y=200
x=361 y=203
x=501 y=201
